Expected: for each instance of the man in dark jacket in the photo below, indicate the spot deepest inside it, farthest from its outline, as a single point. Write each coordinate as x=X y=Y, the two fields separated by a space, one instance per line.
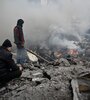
x=8 y=69
x=18 y=33
x=19 y=41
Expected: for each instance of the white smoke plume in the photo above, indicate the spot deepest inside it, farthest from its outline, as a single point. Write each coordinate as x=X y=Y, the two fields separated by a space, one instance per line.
x=68 y=19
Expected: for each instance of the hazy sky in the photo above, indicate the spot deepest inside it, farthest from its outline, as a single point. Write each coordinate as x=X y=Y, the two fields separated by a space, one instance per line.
x=70 y=17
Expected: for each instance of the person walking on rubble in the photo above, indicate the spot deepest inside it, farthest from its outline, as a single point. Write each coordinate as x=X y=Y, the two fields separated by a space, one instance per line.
x=8 y=69
x=22 y=56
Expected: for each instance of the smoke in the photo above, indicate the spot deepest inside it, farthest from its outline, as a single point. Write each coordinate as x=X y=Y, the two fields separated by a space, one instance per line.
x=63 y=21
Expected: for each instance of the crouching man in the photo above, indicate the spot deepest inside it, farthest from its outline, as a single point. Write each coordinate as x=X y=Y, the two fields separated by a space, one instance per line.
x=8 y=69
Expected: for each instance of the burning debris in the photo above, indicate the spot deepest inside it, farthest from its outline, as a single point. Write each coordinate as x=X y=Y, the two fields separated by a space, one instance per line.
x=51 y=74
x=58 y=50
x=58 y=74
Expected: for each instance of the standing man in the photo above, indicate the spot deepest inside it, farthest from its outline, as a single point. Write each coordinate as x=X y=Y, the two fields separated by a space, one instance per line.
x=19 y=41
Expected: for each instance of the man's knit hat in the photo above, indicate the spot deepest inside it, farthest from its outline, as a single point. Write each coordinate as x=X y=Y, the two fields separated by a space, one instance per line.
x=7 y=43
x=20 y=21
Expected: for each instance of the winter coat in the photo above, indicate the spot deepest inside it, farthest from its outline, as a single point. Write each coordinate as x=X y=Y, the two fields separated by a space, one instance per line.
x=6 y=62
x=18 y=35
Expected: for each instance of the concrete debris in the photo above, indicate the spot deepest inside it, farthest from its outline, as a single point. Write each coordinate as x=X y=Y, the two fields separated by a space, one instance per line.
x=26 y=74
x=41 y=88
x=52 y=75
x=81 y=89
x=85 y=74
x=75 y=88
x=38 y=74
x=64 y=62
x=37 y=80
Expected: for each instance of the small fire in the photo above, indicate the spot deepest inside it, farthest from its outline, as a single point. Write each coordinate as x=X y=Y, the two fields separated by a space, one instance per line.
x=57 y=54
x=72 y=52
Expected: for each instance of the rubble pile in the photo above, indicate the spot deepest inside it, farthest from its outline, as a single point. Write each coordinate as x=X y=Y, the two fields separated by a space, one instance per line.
x=33 y=85
x=55 y=75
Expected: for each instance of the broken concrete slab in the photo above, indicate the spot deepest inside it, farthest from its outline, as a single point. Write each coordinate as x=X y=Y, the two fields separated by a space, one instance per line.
x=64 y=62
x=75 y=88
x=37 y=74
x=38 y=81
x=26 y=74
x=81 y=89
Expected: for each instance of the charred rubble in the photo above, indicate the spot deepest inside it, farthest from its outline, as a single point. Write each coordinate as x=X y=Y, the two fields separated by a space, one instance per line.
x=59 y=74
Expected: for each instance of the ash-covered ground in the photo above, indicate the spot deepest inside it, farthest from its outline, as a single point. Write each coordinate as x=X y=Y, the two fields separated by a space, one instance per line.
x=42 y=81
x=32 y=85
